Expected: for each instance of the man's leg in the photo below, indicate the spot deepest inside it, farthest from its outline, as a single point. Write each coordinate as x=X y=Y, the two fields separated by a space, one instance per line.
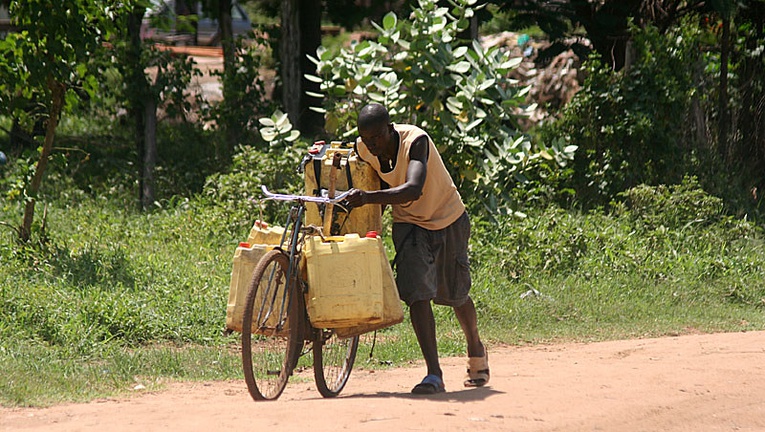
x=424 y=325
x=468 y=320
x=478 y=366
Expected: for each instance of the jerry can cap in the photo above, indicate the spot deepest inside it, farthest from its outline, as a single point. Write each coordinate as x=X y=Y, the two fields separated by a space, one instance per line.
x=316 y=147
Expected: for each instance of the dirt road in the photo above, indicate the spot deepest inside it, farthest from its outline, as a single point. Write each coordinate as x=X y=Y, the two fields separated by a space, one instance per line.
x=687 y=383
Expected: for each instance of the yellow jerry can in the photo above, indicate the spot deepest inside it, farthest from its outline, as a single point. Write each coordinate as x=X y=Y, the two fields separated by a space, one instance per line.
x=353 y=170
x=246 y=257
x=345 y=281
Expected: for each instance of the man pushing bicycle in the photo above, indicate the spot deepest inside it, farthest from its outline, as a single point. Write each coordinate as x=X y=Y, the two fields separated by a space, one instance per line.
x=430 y=233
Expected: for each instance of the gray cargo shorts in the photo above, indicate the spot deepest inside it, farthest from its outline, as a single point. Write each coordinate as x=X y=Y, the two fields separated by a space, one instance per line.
x=433 y=265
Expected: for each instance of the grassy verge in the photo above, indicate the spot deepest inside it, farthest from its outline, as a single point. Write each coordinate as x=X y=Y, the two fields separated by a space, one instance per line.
x=114 y=299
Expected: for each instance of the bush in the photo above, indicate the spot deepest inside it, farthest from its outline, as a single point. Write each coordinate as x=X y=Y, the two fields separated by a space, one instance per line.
x=665 y=249
x=455 y=90
x=238 y=192
x=629 y=126
x=673 y=206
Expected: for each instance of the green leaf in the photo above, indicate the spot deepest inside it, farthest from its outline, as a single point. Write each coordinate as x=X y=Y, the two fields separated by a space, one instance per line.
x=293 y=136
x=512 y=63
x=486 y=84
x=365 y=51
x=473 y=124
x=570 y=149
x=460 y=67
x=265 y=121
x=478 y=49
x=389 y=21
x=338 y=90
x=453 y=105
x=313 y=78
x=327 y=56
x=268 y=134
x=281 y=119
x=82 y=69
x=460 y=51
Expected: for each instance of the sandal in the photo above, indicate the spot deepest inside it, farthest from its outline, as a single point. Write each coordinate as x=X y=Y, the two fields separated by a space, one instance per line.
x=431 y=384
x=478 y=371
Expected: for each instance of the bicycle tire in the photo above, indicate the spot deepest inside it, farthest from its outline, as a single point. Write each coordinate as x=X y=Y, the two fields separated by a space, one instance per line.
x=272 y=327
x=333 y=359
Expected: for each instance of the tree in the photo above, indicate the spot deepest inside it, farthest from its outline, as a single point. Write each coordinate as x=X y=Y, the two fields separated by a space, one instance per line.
x=42 y=63
x=140 y=101
x=606 y=22
x=300 y=36
x=153 y=81
x=746 y=152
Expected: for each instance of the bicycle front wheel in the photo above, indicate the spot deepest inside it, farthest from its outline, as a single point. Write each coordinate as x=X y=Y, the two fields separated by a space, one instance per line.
x=333 y=359
x=271 y=328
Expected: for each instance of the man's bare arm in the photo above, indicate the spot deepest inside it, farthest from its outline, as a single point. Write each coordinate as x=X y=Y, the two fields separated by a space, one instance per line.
x=416 y=173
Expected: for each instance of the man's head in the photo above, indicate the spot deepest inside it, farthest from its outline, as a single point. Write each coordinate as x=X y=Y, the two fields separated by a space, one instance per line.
x=373 y=115
x=376 y=130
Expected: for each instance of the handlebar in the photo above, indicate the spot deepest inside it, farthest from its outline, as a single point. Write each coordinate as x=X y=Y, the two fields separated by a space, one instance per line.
x=303 y=198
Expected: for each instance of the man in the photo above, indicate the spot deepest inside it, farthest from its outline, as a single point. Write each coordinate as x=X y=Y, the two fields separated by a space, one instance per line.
x=430 y=233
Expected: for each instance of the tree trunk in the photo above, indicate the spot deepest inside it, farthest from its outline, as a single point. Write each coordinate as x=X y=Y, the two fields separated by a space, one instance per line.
x=607 y=27
x=139 y=94
x=57 y=102
x=724 y=115
x=748 y=137
x=227 y=34
x=150 y=154
x=229 y=68
x=310 y=122
x=698 y=114
x=290 y=59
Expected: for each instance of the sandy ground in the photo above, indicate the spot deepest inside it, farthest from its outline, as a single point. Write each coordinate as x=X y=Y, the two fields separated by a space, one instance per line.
x=687 y=383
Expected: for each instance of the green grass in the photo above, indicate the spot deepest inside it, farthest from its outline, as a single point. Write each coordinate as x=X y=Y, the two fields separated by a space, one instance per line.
x=37 y=374
x=113 y=299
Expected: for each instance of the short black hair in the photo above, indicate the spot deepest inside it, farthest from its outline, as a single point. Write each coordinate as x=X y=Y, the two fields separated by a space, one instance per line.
x=373 y=115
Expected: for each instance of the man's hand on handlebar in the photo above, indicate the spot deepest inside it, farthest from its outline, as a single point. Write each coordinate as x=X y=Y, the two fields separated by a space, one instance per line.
x=355 y=198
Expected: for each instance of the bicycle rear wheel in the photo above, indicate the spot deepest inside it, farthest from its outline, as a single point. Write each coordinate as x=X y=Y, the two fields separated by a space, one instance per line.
x=272 y=327
x=333 y=359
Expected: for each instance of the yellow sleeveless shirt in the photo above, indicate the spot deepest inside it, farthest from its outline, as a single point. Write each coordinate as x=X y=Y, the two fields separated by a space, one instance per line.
x=440 y=204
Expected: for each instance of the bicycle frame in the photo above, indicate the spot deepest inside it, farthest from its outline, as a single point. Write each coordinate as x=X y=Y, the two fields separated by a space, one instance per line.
x=294 y=227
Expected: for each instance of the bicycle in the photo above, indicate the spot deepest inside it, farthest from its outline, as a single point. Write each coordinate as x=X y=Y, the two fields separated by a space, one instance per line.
x=276 y=327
